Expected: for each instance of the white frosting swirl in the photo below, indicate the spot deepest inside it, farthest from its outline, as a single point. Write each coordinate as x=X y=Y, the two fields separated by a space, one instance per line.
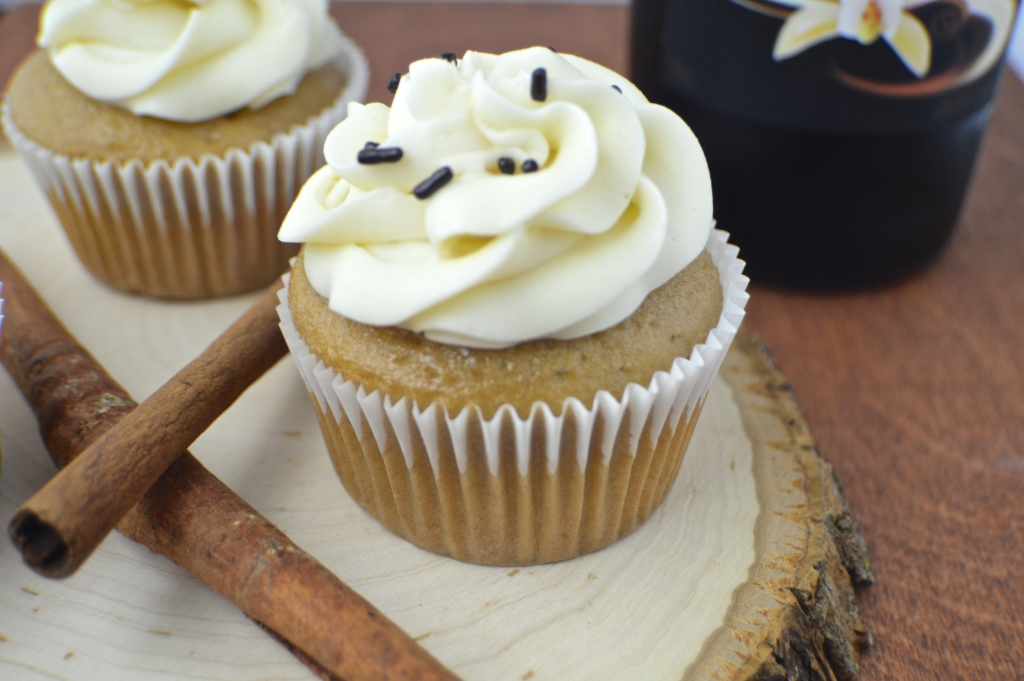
x=621 y=203
x=187 y=60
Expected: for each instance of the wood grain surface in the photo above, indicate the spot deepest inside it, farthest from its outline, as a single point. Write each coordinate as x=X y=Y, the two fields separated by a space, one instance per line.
x=744 y=571
x=914 y=392
x=131 y=615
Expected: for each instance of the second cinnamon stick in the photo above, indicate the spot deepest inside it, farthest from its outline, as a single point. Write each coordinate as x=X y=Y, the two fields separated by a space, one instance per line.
x=63 y=523
x=195 y=520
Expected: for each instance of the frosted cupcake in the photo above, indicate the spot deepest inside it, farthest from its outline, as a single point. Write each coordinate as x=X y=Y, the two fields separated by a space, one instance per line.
x=510 y=304
x=171 y=137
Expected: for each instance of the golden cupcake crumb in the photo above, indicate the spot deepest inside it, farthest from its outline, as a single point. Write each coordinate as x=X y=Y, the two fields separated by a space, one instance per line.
x=49 y=110
x=670 y=322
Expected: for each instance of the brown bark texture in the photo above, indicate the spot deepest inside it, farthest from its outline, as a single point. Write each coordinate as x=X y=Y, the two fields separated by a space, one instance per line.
x=797 y=617
x=819 y=633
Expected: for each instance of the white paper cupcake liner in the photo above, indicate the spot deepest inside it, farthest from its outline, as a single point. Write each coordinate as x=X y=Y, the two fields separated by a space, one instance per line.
x=188 y=229
x=585 y=478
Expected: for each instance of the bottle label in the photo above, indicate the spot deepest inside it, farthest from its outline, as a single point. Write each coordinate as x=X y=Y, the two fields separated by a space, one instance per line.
x=854 y=66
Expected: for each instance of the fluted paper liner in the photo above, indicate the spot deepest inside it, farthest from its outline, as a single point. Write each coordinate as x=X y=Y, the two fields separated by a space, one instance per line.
x=514 y=491
x=187 y=229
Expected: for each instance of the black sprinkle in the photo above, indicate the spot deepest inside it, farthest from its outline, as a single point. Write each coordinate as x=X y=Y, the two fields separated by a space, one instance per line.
x=539 y=85
x=449 y=57
x=529 y=166
x=617 y=88
x=373 y=155
x=426 y=188
x=371 y=145
x=552 y=49
x=393 y=82
x=506 y=165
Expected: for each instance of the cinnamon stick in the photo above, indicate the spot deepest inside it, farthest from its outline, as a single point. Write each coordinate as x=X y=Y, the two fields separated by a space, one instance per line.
x=63 y=523
x=195 y=520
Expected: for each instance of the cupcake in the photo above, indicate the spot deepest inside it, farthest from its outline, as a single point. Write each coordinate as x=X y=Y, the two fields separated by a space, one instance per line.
x=170 y=138
x=510 y=304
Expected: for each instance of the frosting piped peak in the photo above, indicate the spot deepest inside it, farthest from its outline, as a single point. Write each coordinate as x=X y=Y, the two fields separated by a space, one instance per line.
x=187 y=60
x=501 y=199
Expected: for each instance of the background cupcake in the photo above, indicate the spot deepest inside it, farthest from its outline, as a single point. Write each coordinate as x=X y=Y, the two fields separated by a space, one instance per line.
x=170 y=138
x=510 y=304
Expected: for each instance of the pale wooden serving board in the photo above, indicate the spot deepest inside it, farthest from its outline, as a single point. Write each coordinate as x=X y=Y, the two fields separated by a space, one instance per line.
x=665 y=602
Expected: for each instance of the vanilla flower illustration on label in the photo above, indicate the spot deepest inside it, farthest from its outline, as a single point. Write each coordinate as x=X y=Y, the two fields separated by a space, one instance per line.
x=866 y=21
x=502 y=198
x=862 y=20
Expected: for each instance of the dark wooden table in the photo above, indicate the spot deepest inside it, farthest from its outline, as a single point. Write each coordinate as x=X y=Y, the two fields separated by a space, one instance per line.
x=914 y=392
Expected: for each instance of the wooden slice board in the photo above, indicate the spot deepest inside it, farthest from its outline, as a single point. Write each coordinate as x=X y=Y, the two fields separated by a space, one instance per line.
x=743 y=572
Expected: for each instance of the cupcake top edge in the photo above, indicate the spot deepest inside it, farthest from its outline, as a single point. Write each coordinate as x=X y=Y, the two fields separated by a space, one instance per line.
x=187 y=60
x=502 y=199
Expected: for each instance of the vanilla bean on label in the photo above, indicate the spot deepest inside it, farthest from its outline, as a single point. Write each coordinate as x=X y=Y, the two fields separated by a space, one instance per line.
x=195 y=520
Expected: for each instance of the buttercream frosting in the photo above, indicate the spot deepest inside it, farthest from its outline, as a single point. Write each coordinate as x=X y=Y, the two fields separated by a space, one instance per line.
x=618 y=201
x=187 y=60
